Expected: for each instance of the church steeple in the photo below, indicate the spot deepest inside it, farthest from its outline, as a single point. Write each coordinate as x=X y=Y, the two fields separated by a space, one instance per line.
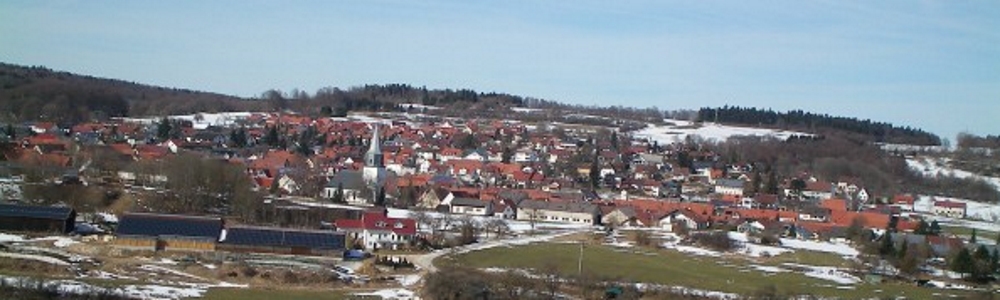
x=374 y=157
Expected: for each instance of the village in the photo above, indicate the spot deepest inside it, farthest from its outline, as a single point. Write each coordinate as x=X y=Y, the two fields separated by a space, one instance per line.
x=343 y=194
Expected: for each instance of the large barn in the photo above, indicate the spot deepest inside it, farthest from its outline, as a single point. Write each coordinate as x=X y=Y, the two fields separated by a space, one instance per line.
x=281 y=241
x=37 y=218
x=161 y=232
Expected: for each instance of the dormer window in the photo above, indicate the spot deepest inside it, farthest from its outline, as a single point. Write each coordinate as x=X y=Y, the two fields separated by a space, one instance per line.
x=380 y=224
x=399 y=225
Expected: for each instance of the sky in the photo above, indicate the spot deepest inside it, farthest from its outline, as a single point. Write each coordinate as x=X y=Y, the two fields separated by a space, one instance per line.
x=934 y=65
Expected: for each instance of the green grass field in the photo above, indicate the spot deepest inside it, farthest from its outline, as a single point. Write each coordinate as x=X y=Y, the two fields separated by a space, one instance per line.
x=677 y=269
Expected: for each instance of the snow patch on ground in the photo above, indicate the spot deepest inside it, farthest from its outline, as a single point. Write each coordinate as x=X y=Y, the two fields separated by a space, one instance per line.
x=408 y=280
x=768 y=269
x=41 y=258
x=826 y=273
x=6 y=238
x=666 y=134
x=526 y=110
x=754 y=250
x=151 y=292
x=933 y=167
x=392 y=294
x=837 y=248
x=974 y=210
x=200 y=120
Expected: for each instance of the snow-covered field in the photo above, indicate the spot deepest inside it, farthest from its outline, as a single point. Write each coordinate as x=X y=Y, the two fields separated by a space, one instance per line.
x=826 y=273
x=200 y=120
x=933 y=167
x=990 y=213
x=526 y=110
x=150 y=292
x=708 y=131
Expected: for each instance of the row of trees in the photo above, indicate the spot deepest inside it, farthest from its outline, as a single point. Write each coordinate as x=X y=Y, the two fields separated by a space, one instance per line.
x=468 y=229
x=967 y=140
x=798 y=119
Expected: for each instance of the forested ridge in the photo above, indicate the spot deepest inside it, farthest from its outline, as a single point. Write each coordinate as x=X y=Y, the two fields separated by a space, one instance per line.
x=818 y=123
x=42 y=94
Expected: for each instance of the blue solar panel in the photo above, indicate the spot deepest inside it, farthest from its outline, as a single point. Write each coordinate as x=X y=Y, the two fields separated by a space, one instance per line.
x=277 y=237
x=159 y=225
x=40 y=212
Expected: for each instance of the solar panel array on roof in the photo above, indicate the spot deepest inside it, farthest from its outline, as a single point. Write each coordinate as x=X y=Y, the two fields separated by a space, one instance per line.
x=276 y=237
x=175 y=225
x=40 y=212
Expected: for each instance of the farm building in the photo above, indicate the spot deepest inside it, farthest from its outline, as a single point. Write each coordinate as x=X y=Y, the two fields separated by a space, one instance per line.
x=168 y=232
x=281 y=241
x=37 y=218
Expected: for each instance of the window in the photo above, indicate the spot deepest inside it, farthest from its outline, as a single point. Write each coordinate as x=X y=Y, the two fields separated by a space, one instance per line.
x=398 y=224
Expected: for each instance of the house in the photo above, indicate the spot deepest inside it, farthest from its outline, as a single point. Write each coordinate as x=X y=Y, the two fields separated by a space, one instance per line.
x=434 y=197
x=472 y=206
x=622 y=216
x=682 y=217
x=281 y=241
x=903 y=201
x=949 y=209
x=161 y=232
x=818 y=190
x=729 y=187
x=567 y=212
x=815 y=214
x=37 y=218
x=375 y=230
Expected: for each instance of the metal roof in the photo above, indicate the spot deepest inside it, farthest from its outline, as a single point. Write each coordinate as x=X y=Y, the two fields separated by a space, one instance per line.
x=39 y=212
x=257 y=236
x=169 y=225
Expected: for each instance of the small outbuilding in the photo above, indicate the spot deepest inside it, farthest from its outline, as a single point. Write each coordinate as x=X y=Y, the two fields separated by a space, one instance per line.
x=37 y=218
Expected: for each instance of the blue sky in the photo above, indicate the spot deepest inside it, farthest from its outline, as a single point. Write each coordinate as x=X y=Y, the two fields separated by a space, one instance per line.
x=928 y=64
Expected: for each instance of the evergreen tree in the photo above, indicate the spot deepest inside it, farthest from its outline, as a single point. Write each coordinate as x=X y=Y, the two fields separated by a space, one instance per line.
x=982 y=262
x=755 y=183
x=338 y=195
x=935 y=228
x=887 y=248
x=11 y=133
x=614 y=139
x=922 y=228
x=903 y=249
x=507 y=154
x=274 y=187
x=893 y=224
x=163 y=129
x=963 y=262
x=595 y=174
x=772 y=183
x=380 y=197
x=995 y=261
x=271 y=137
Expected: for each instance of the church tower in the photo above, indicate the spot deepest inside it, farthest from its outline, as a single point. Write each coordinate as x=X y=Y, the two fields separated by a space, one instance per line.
x=374 y=171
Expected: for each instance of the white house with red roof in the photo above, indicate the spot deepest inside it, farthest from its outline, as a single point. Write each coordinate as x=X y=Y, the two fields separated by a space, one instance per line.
x=375 y=230
x=951 y=209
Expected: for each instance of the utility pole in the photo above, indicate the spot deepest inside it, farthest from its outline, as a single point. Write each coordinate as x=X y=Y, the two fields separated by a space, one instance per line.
x=579 y=264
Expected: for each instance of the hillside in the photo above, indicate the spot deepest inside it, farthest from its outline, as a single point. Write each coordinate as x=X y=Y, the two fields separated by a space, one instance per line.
x=38 y=93
x=819 y=123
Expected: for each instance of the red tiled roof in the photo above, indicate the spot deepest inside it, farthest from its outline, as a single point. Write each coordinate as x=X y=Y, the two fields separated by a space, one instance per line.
x=834 y=204
x=949 y=204
x=378 y=221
